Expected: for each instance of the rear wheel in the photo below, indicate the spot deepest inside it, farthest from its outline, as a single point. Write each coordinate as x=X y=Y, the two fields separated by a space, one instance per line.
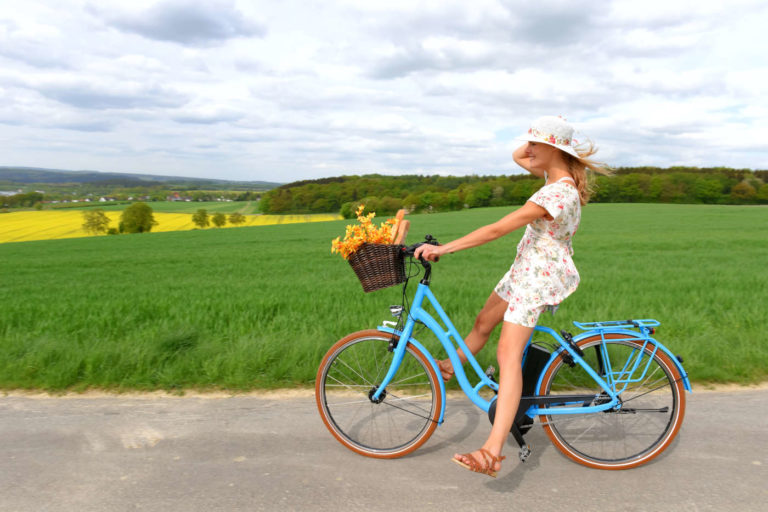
x=643 y=424
x=404 y=416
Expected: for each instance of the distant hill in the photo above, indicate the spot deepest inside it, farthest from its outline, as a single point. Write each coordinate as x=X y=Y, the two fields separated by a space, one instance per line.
x=10 y=176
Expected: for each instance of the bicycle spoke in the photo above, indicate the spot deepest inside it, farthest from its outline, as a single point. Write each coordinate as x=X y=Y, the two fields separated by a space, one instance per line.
x=666 y=384
x=355 y=372
x=389 y=403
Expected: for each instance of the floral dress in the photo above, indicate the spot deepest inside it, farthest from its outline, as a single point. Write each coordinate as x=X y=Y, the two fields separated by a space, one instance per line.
x=543 y=273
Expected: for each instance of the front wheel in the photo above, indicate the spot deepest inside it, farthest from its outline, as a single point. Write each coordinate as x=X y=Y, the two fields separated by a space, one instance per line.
x=646 y=420
x=404 y=416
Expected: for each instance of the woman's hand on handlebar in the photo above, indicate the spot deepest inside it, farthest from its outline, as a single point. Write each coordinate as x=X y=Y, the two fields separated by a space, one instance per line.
x=428 y=252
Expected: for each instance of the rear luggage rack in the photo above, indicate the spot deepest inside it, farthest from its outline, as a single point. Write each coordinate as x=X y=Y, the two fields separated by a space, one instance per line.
x=617 y=324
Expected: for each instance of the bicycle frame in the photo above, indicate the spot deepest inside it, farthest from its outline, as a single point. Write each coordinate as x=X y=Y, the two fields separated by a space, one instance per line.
x=451 y=340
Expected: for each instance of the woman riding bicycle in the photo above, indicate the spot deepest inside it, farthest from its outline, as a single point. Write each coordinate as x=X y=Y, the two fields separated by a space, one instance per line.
x=542 y=275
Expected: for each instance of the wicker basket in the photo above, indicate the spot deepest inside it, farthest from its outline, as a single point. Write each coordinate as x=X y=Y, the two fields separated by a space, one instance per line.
x=378 y=265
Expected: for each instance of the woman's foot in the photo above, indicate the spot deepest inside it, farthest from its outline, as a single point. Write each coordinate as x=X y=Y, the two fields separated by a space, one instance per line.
x=446 y=369
x=480 y=461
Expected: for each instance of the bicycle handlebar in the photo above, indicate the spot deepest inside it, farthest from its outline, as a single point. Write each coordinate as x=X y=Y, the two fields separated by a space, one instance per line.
x=411 y=249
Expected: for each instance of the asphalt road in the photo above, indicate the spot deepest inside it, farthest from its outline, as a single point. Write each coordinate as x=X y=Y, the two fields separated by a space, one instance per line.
x=121 y=453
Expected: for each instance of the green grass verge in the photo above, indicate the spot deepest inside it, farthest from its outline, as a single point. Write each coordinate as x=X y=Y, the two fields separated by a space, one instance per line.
x=252 y=308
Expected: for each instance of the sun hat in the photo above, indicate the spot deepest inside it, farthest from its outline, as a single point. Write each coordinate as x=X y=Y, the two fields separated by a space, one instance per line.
x=552 y=130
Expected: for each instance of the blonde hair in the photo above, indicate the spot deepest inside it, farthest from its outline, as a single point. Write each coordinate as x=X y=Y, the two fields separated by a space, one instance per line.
x=584 y=168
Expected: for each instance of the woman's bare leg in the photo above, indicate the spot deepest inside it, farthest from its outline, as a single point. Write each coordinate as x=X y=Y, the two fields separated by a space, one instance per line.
x=486 y=321
x=510 y=356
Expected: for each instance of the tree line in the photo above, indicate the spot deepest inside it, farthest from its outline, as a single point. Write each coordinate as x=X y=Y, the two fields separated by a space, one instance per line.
x=22 y=200
x=36 y=199
x=387 y=194
x=202 y=219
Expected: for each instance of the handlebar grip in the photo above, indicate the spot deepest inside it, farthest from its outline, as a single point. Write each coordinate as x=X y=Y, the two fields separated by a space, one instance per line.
x=428 y=239
x=411 y=249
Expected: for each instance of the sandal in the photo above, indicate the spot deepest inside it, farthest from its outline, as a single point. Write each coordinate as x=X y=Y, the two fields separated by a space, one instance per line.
x=489 y=461
x=446 y=369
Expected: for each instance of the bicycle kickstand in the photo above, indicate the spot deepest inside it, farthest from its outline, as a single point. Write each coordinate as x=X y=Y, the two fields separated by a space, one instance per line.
x=521 y=420
x=525 y=448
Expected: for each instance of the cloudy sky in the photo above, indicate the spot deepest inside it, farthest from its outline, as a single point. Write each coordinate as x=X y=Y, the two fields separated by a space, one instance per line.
x=286 y=89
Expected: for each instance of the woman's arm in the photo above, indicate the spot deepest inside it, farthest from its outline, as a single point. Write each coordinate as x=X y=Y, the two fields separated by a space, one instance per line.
x=523 y=161
x=515 y=220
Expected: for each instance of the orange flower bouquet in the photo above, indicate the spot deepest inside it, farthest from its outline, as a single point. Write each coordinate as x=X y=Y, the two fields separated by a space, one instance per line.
x=374 y=251
x=365 y=232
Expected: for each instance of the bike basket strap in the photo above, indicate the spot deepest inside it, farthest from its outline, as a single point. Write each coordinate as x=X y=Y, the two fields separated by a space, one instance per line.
x=378 y=265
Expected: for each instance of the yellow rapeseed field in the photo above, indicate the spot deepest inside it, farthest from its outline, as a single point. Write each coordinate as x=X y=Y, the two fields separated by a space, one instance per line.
x=51 y=224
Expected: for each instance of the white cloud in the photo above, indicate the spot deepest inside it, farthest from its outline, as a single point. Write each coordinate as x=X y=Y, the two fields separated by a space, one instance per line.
x=295 y=90
x=183 y=22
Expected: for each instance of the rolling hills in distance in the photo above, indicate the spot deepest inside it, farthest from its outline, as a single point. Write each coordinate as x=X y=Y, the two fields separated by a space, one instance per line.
x=13 y=176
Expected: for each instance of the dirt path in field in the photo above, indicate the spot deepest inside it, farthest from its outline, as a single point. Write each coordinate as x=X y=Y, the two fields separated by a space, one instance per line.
x=245 y=209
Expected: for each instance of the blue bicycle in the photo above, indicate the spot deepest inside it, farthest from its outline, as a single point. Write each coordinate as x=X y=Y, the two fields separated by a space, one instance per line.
x=610 y=397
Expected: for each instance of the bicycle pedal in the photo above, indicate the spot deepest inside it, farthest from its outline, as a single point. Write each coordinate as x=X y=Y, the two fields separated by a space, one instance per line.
x=525 y=452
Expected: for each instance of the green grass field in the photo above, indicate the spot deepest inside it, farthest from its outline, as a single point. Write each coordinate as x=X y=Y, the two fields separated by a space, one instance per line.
x=251 y=308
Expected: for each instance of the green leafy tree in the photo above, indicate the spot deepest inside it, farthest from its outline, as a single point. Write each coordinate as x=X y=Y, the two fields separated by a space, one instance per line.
x=389 y=206
x=95 y=222
x=631 y=187
x=201 y=219
x=411 y=202
x=743 y=192
x=708 y=190
x=762 y=194
x=137 y=218
x=219 y=219
x=348 y=209
x=236 y=219
x=281 y=200
x=479 y=195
